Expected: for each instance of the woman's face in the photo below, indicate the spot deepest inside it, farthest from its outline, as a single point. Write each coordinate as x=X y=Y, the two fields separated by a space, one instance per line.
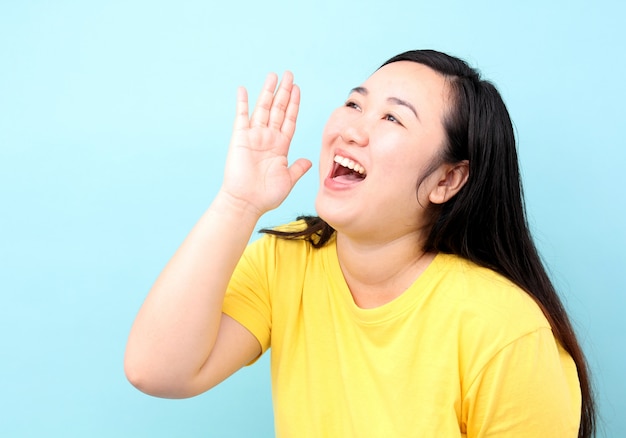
x=376 y=149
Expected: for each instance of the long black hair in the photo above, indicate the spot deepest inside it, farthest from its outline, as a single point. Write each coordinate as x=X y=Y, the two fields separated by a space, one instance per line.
x=486 y=221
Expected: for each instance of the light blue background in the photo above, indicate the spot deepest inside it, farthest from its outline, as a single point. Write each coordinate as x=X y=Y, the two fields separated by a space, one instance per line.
x=114 y=121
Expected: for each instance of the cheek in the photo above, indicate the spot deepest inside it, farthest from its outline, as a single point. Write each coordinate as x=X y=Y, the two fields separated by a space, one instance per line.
x=403 y=171
x=324 y=156
x=332 y=129
x=397 y=158
x=331 y=132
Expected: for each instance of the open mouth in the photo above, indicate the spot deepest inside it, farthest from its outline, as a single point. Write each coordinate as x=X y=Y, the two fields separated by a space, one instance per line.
x=347 y=170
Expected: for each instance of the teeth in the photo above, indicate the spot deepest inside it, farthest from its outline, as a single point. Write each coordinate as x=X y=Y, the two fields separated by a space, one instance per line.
x=352 y=165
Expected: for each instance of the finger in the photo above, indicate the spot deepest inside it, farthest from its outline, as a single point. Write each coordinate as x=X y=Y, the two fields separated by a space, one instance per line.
x=281 y=101
x=299 y=168
x=261 y=113
x=241 y=110
x=291 y=114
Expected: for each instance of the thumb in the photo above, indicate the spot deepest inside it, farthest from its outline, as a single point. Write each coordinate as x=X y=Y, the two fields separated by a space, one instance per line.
x=299 y=168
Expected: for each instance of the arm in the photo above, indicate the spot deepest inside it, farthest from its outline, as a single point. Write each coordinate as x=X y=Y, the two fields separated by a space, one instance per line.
x=180 y=343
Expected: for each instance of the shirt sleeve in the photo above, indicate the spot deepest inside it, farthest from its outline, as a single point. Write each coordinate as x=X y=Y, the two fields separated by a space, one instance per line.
x=247 y=297
x=530 y=388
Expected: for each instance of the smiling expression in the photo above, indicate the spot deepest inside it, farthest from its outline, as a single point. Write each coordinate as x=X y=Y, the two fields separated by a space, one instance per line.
x=376 y=149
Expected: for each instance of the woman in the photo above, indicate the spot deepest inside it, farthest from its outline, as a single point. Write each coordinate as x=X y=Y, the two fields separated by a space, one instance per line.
x=415 y=304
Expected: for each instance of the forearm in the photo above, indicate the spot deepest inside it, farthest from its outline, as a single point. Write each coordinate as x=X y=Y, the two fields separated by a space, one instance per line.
x=177 y=325
x=172 y=348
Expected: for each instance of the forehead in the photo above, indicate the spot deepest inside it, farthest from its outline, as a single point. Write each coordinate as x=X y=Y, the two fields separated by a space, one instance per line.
x=416 y=83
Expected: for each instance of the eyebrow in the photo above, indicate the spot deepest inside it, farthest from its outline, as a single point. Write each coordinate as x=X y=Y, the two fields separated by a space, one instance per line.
x=392 y=100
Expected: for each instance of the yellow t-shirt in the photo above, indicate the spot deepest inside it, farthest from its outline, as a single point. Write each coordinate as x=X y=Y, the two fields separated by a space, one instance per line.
x=462 y=353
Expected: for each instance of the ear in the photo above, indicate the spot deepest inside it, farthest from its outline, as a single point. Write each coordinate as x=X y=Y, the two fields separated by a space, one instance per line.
x=453 y=178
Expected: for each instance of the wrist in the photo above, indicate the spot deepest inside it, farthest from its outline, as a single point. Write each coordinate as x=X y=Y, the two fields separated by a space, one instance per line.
x=236 y=208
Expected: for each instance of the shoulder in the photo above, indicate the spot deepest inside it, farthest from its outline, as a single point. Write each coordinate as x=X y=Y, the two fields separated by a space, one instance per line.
x=491 y=316
x=283 y=236
x=485 y=299
x=465 y=281
x=273 y=250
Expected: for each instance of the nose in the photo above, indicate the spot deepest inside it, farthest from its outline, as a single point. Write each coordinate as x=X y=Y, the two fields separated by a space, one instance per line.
x=356 y=132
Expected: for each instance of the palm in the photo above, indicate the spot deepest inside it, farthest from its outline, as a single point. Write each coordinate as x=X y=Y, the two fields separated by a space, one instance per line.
x=257 y=169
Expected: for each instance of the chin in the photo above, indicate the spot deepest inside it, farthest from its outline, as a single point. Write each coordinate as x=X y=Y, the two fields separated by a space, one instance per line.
x=319 y=207
x=333 y=216
x=324 y=211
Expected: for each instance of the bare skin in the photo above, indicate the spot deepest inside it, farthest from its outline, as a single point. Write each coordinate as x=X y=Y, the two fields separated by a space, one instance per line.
x=392 y=126
x=181 y=344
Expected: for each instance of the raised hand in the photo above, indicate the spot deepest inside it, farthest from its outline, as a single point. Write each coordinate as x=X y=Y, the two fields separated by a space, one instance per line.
x=257 y=169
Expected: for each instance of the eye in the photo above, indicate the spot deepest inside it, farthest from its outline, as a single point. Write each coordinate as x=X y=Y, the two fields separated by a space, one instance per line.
x=392 y=119
x=351 y=104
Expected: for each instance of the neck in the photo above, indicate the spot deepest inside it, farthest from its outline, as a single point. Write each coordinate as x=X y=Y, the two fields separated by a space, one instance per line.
x=377 y=273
